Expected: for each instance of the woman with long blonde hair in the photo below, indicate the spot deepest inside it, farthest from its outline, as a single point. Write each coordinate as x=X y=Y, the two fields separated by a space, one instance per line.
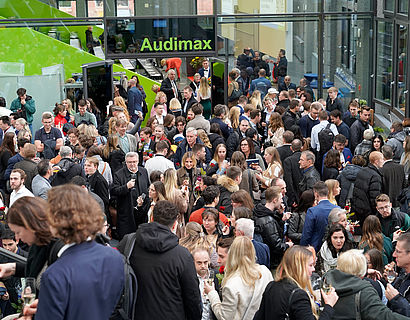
x=274 y=170
x=243 y=283
x=161 y=98
x=256 y=100
x=204 y=97
x=334 y=190
x=234 y=115
x=291 y=294
x=276 y=130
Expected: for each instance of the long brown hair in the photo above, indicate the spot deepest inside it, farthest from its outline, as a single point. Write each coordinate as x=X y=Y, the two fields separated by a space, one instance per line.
x=30 y=213
x=372 y=233
x=275 y=121
x=8 y=143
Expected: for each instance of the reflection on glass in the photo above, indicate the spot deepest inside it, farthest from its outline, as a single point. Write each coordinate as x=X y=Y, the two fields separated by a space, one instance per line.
x=125 y=8
x=356 y=5
x=95 y=8
x=267 y=6
x=67 y=6
x=388 y=5
x=402 y=69
x=404 y=6
x=384 y=61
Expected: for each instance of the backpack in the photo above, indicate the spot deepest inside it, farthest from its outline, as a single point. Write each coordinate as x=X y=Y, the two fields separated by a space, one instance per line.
x=236 y=93
x=326 y=138
x=125 y=307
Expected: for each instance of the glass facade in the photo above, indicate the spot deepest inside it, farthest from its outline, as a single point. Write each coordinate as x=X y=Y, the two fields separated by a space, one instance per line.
x=384 y=61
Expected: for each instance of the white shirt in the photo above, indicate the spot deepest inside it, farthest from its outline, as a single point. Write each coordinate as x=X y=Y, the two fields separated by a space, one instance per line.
x=160 y=163
x=23 y=192
x=315 y=133
x=206 y=305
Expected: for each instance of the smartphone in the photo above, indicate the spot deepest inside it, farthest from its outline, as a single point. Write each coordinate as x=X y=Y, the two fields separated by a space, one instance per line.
x=251 y=162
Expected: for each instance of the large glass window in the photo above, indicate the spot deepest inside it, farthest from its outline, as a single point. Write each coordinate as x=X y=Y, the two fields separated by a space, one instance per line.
x=69 y=7
x=402 y=68
x=384 y=61
x=125 y=8
x=267 y=6
x=95 y=8
x=389 y=5
x=404 y=6
x=353 y=5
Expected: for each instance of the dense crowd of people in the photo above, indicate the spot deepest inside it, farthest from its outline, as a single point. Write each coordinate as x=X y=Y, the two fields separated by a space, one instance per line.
x=277 y=205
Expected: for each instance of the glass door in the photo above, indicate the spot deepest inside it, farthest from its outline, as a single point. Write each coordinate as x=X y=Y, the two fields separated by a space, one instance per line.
x=401 y=95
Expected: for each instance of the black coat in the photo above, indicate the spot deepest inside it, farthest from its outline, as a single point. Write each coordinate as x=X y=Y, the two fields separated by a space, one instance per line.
x=329 y=173
x=335 y=105
x=232 y=143
x=166 y=87
x=215 y=139
x=292 y=176
x=116 y=160
x=310 y=177
x=128 y=218
x=275 y=301
x=346 y=177
x=68 y=170
x=269 y=226
x=367 y=187
x=356 y=133
x=168 y=286
x=284 y=152
x=393 y=181
x=99 y=186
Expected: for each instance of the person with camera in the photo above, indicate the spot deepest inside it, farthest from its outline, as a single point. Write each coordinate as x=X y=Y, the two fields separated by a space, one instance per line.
x=130 y=187
x=24 y=105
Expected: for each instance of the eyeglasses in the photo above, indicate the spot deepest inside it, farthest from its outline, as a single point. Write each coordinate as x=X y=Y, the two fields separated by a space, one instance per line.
x=386 y=207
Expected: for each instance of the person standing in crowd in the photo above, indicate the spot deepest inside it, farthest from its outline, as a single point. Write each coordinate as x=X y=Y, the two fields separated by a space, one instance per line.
x=308 y=121
x=350 y=116
x=317 y=217
x=205 y=71
x=393 y=176
x=159 y=161
x=191 y=138
x=25 y=107
x=342 y=128
x=199 y=122
x=243 y=283
x=310 y=174
x=83 y=116
x=48 y=140
x=219 y=115
x=359 y=126
x=286 y=84
x=269 y=225
x=130 y=186
x=134 y=101
x=169 y=86
x=232 y=143
x=323 y=124
x=168 y=287
x=96 y=182
x=41 y=182
x=17 y=177
x=262 y=84
x=396 y=139
x=127 y=142
x=189 y=100
x=332 y=101
x=204 y=97
x=368 y=185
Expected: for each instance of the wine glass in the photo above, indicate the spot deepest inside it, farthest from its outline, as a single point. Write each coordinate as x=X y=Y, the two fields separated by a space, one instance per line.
x=29 y=291
x=210 y=277
x=326 y=285
x=391 y=274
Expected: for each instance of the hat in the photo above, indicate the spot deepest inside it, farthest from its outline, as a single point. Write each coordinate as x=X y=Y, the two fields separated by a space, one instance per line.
x=178 y=138
x=368 y=134
x=272 y=91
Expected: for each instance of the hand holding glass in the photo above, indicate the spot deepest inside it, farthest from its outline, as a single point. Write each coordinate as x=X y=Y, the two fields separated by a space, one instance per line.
x=29 y=291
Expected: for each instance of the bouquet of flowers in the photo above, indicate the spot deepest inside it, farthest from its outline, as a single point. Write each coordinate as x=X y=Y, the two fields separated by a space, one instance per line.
x=196 y=62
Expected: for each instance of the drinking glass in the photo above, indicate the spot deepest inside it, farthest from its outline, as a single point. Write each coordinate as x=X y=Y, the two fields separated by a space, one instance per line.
x=210 y=277
x=326 y=285
x=391 y=274
x=29 y=291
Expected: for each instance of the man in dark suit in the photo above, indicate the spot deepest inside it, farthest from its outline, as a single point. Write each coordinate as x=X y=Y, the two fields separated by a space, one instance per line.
x=393 y=176
x=130 y=186
x=96 y=182
x=188 y=101
x=169 y=86
x=292 y=173
x=134 y=101
x=317 y=217
x=205 y=71
x=286 y=84
x=284 y=150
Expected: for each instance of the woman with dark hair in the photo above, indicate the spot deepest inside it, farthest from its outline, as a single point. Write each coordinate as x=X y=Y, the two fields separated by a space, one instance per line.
x=249 y=183
x=241 y=198
x=113 y=154
x=247 y=147
x=60 y=116
x=7 y=150
x=377 y=143
x=297 y=219
x=215 y=137
x=169 y=126
x=210 y=222
x=27 y=218
x=218 y=164
x=91 y=107
x=275 y=130
x=337 y=242
x=373 y=238
x=331 y=165
x=156 y=192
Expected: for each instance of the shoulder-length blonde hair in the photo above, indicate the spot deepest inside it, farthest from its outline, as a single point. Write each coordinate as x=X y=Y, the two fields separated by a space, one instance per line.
x=242 y=261
x=256 y=100
x=293 y=268
x=216 y=157
x=73 y=214
x=170 y=183
x=160 y=95
x=275 y=158
x=234 y=115
x=189 y=155
x=119 y=102
x=204 y=137
x=331 y=185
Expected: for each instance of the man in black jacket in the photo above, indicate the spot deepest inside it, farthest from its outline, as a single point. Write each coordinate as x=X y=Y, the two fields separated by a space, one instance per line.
x=67 y=167
x=170 y=87
x=168 y=286
x=358 y=127
x=290 y=117
x=393 y=176
x=232 y=143
x=292 y=174
x=269 y=225
x=309 y=172
x=96 y=182
x=130 y=186
x=367 y=187
x=284 y=150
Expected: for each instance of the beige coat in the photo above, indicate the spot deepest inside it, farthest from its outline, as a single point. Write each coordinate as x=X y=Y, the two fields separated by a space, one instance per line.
x=239 y=302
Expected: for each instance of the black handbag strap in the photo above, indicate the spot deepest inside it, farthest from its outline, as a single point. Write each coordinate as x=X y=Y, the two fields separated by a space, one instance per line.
x=289 y=303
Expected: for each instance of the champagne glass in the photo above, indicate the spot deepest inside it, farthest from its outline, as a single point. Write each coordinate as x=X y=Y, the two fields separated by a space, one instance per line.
x=29 y=291
x=391 y=274
x=210 y=277
x=326 y=285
